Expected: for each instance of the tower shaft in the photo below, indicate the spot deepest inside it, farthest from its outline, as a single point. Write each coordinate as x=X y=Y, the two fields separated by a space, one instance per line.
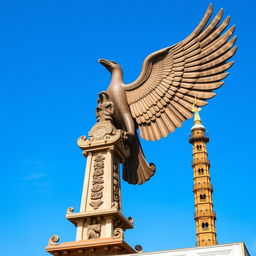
x=204 y=214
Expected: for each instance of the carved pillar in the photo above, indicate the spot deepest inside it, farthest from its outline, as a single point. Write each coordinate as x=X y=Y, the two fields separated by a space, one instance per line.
x=100 y=223
x=101 y=197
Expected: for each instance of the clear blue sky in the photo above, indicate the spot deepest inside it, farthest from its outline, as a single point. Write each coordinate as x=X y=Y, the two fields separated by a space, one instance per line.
x=50 y=79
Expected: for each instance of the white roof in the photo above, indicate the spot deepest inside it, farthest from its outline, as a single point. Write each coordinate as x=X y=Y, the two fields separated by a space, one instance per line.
x=197 y=126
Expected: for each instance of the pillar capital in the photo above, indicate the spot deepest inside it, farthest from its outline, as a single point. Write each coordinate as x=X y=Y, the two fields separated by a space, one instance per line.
x=104 y=136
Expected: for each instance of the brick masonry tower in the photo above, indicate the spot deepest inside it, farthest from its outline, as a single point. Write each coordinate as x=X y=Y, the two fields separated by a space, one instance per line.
x=204 y=215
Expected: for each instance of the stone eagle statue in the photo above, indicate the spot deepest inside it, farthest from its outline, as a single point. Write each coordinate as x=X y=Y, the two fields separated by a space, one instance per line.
x=161 y=98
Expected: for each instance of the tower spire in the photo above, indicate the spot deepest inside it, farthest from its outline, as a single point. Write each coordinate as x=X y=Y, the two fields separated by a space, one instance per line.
x=197 y=118
x=204 y=215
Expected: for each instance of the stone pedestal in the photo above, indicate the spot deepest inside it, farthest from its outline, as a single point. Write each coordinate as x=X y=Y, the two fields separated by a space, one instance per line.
x=100 y=223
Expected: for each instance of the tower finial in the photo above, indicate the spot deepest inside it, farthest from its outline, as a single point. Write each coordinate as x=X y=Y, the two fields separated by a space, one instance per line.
x=197 y=119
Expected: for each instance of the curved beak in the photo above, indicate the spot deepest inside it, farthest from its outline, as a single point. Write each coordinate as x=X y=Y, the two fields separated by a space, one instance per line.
x=103 y=62
x=106 y=63
x=100 y=60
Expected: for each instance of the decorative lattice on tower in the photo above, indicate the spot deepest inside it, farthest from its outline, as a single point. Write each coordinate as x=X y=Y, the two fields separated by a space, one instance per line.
x=204 y=214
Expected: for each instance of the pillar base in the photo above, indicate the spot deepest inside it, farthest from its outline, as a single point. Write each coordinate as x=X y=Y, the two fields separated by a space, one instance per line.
x=121 y=221
x=100 y=246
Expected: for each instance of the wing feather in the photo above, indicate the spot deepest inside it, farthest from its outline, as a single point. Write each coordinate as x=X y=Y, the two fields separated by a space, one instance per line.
x=169 y=124
x=162 y=96
x=211 y=26
x=172 y=116
x=177 y=112
x=208 y=86
x=217 y=70
x=224 y=58
x=212 y=53
x=216 y=33
x=212 y=78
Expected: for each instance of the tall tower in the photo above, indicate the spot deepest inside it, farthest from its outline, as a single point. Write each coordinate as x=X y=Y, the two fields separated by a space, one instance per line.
x=204 y=215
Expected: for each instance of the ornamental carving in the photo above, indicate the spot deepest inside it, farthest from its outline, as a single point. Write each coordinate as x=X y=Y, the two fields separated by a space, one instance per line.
x=70 y=210
x=116 y=185
x=105 y=108
x=104 y=131
x=138 y=248
x=97 y=182
x=53 y=240
x=94 y=229
x=131 y=220
x=118 y=233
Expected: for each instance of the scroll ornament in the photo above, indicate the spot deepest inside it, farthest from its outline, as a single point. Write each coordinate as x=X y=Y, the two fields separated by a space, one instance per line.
x=118 y=233
x=70 y=210
x=53 y=240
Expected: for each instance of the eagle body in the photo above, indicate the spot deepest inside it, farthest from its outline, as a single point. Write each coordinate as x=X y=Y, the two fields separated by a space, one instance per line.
x=136 y=170
x=171 y=82
x=122 y=116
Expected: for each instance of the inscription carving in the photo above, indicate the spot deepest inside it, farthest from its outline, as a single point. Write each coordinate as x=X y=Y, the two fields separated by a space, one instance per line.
x=97 y=182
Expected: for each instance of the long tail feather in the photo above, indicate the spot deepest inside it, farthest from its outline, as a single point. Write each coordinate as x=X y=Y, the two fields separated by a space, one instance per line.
x=136 y=170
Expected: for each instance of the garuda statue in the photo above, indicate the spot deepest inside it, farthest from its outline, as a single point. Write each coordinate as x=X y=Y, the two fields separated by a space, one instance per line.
x=161 y=98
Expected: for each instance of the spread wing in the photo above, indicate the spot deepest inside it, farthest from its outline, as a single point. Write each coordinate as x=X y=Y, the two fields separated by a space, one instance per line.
x=162 y=96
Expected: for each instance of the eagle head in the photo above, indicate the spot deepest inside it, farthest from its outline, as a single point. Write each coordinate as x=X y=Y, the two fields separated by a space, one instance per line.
x=110 y=65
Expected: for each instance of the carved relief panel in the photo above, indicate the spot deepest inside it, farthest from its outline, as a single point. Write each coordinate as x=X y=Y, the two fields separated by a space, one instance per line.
x=94 y=228
x=97 y=181
x=116 y=184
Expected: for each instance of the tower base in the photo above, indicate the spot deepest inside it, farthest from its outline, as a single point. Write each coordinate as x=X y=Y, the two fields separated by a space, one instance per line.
x=93 y=247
